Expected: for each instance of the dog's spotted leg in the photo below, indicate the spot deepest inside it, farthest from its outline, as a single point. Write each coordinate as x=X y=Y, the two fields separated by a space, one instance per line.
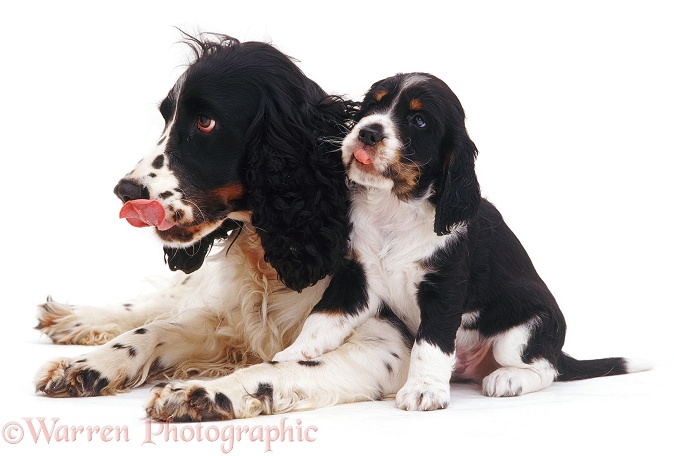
x=371 y=364
x=129 y=359
x=89 y=325
x=109 y=369
x=96 y=325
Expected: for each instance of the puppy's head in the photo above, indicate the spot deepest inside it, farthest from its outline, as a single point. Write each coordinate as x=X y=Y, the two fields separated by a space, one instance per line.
x=410 y=138
x=240 y=145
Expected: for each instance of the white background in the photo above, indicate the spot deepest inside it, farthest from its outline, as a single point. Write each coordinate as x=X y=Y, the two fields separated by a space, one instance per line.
x=571 y=107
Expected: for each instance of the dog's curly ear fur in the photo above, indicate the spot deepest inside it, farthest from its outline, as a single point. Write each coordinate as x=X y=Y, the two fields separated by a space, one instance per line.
x=458 y=198
x=296 y=181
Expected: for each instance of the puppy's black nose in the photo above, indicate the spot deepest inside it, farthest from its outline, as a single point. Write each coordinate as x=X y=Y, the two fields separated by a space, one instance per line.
x=129 y=189
x=370 y=135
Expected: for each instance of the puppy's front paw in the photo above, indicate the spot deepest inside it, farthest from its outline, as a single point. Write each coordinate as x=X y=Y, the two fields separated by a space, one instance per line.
x=320 y=334
x=294 y=353
x=423 y=394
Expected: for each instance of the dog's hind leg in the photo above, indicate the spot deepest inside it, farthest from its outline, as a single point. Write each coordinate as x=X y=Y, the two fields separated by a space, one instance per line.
x=517 y=374
x=96 y=325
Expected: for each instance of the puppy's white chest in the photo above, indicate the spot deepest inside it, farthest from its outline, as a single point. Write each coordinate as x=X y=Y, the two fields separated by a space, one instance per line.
x=392 y=239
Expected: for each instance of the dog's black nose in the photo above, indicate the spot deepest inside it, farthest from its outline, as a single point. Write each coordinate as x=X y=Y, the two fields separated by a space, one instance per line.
x=129 y=189
x=370 y=135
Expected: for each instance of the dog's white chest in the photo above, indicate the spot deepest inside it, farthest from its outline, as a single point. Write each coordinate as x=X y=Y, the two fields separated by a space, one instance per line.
x=391 y=240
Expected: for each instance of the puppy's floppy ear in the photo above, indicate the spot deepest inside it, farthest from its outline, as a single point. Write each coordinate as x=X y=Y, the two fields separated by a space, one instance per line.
x=297 y=186
x=458 y=197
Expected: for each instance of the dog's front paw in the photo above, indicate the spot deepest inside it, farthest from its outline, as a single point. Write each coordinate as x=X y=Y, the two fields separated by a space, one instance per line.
x=188 y=401
x=423 y=394
x=297 y=353
x=309 y=346
x=64 y=326
x=208 y=400
x=67 y=378
x=320 y=334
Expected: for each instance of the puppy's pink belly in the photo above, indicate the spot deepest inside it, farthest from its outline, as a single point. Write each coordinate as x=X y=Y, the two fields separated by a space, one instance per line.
x=475 y=363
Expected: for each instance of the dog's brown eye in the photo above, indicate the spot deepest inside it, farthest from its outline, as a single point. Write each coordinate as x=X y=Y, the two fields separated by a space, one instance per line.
x=205 y=123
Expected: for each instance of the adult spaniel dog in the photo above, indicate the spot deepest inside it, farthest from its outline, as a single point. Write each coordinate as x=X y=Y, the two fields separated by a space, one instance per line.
x=250 y=155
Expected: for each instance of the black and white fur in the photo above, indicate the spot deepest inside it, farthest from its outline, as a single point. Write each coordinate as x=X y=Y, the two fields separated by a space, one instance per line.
x=427 y=247
x=268 y=181
x=249 y=157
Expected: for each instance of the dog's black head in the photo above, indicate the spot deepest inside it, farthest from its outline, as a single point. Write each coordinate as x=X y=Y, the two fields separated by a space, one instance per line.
x=248 y=137
x=410 y=138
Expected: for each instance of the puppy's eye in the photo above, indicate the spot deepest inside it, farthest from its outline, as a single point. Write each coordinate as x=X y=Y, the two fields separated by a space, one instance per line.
x=205 y=123
x=419 y=121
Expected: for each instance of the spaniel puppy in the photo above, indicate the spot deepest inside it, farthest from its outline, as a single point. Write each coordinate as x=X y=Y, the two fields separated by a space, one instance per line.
x=426 y=247
x=249 y=158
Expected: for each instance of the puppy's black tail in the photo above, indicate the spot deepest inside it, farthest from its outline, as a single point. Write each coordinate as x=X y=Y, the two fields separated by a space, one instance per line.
x=573 y=369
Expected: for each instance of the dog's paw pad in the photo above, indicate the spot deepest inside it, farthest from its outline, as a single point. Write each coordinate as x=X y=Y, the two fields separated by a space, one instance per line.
x=505 y=382
x=70 y=378
x=423 y=395
x=188 y=401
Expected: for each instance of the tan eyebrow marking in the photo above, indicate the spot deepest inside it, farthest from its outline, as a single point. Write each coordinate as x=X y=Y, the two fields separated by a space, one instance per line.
x=416 y=104
x=379 y=95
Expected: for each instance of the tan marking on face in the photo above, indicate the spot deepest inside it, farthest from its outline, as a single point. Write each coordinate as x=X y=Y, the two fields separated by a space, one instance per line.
x=229 y=193
x=404 y=176
x=379 y=95
x=416 y=104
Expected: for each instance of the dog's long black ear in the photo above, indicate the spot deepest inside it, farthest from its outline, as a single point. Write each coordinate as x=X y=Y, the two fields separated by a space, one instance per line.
x=296 y=182
x=189 y=259
x=458 y=197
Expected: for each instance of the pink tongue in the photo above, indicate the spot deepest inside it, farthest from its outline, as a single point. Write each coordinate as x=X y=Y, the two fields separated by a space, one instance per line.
x=142 y=212
x=362 y=156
